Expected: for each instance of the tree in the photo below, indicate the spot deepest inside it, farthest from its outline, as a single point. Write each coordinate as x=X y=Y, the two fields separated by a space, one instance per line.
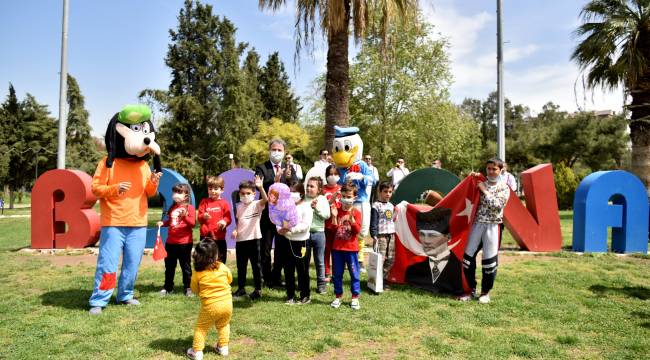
x=275 y=90
x=614 y=50
x=333 y=18
x=81 y=150
x=14 y=138
x=256 y=149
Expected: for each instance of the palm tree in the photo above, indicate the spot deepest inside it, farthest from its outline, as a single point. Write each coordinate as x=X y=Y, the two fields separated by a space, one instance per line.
x=615 y=50
x=333 y=18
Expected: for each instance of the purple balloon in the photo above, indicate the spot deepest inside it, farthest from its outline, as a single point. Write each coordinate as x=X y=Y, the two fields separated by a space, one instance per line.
x=282 y=209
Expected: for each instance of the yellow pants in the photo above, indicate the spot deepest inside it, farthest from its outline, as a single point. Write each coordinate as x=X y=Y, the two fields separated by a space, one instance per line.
x=217 y=314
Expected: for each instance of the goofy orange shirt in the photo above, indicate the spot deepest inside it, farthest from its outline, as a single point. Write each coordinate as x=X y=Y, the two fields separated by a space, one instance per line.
x=128 y=208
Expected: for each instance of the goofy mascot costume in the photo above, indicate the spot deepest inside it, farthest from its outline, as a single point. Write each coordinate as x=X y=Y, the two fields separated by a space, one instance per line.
x=348 y=151
x=123 y=181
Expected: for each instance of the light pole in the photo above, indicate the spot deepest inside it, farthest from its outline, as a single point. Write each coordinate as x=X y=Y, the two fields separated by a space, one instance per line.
x=63 y=89
x=501 y=136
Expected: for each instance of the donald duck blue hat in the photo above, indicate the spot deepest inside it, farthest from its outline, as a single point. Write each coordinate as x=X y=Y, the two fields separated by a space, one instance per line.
x=345 y=131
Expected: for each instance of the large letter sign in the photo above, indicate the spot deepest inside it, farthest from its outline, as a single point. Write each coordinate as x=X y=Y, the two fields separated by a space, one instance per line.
x=63 y=199
x=535 y=227
x=627 y=214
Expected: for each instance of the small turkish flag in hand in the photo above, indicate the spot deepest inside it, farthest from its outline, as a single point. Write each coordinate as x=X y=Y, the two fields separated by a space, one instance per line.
x=159 y=251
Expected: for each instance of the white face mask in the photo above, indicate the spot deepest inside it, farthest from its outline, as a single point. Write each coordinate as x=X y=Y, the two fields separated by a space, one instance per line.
x=276 y=156
x=295 y=196
x=178 y=198
x=333 y=179
x=247 y=199
x=348 y=202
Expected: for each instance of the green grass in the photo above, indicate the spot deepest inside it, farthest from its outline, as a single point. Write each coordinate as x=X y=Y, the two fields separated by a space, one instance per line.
x=562 y=307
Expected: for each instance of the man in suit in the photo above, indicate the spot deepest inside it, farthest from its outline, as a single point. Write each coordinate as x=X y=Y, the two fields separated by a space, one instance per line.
x=272 y=171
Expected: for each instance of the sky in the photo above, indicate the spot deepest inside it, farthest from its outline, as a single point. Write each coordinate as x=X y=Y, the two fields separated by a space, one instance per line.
x=117 y=48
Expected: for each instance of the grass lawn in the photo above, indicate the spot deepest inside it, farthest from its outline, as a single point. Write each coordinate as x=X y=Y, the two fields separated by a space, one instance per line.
x=546 y=306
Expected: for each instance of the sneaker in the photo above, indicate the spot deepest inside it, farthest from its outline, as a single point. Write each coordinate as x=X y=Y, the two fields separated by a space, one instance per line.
x=197 y=355
x=355 y=304
x=322 y=290
x=290 y=301
x=95 y=310
x=484 y=298
x=130 y=302
x=255 y=295
x=164 y=292
x=304 y=301
x=239 y=293
x=223 y=351
x=465 y=297
x=336 y=303
x=189 y=293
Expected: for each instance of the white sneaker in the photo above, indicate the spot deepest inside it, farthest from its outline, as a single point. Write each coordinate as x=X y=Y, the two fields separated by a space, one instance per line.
x=355 y=304
x=197 y=355
x=164 y=292
x=336 y=303
x=465 y=297
x=223 y=351
x=484 y=299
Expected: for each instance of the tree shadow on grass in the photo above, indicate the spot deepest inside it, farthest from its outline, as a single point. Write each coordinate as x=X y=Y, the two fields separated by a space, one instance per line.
x=639 y=292
x=76 y=299
x=176 y=346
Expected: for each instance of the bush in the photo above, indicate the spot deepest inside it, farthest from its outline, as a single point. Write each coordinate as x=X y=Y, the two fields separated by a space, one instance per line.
x=566 y=183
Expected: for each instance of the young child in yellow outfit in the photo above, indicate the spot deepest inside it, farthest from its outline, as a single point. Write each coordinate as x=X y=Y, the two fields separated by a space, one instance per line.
x=211 y=282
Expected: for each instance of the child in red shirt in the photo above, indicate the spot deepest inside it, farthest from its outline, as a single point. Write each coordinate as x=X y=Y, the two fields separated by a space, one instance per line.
x=181 y=221
x=331 y=192
x=346 y=223
x=214 y=216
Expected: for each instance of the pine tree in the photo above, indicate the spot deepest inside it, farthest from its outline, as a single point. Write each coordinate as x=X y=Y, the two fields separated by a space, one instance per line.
x=81 y=151
x=275 y=90
x=13 y=133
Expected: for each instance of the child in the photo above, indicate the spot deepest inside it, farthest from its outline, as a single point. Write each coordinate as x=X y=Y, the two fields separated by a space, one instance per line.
x=181 y=220
x=211 y=281
x=331 y=192
x=214 y=215
x=485 y=230
x=346 y=222
x=248 y=235
x=382 y=226
x=294 y=256
x=316 y=242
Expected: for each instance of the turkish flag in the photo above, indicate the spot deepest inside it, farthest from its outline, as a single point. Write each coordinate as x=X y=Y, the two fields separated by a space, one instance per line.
x=159 y=251
x=430 y=242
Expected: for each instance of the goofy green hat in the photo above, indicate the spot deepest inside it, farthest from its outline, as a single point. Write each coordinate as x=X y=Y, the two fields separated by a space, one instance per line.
x=131 y=134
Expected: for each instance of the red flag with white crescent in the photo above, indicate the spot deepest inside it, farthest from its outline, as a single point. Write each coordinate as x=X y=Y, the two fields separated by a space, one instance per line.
x=430 y=242
x=159 y=251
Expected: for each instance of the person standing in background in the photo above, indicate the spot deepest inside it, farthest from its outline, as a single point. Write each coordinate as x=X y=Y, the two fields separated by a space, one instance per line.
x=398 y=173
x=375 y=179
x=296 y=167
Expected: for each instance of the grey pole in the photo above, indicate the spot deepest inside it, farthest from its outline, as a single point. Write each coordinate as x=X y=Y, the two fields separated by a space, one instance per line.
x=501 y=129
x=63 y=90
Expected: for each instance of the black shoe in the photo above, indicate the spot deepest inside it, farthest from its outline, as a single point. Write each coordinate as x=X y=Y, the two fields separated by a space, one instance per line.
x=255 y=295
x=239 y=293
x=290 y=301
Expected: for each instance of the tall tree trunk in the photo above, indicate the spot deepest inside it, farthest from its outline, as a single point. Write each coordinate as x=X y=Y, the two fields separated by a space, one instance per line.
x=640 y=133
x=337 y=81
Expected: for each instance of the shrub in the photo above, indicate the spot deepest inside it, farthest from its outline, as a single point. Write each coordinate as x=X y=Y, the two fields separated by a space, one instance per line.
x=566 y=183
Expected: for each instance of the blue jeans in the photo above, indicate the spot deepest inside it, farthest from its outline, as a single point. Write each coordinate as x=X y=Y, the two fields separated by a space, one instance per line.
x=115 y=241
x=316 y=242
x=339 y=260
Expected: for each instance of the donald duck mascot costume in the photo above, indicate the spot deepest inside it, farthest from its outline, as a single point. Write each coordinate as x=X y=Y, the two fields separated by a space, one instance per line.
x=348 y=152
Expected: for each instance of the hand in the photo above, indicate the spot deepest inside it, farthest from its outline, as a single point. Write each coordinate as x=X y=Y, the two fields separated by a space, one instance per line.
x=234 y=234
x=278 y=177
x=475 y=174
x=283 y=231
x=221 y=224
x=353 y=176
x=124 y=187
x=206 y=216
x=159 y=223
x=314 y=203
x=259 y=181
x=333 y=210
x=155 y=176
x=182 y=212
